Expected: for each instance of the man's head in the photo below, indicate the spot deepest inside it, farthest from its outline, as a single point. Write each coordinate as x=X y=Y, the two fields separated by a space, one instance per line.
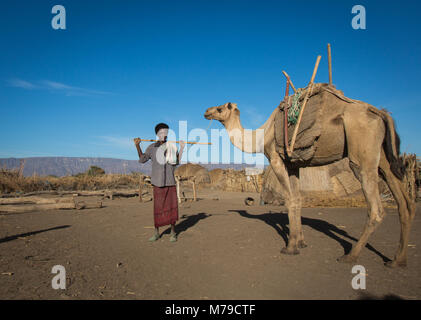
x=161 y=130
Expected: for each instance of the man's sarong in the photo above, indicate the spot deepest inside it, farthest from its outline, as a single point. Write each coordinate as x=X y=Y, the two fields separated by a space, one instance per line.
x=165 y=206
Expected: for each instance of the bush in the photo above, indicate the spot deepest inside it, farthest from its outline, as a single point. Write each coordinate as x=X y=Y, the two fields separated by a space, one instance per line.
x=95 y=171
x=10 y=181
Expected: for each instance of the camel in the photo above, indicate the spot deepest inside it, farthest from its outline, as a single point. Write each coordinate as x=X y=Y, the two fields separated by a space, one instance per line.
x=348 y=129
x=193 y=173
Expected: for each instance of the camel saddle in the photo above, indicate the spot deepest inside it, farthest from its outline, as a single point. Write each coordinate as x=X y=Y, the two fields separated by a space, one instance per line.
x=310 y=127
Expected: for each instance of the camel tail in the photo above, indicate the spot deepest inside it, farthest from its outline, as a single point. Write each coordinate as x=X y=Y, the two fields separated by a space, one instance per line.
x=391 y=143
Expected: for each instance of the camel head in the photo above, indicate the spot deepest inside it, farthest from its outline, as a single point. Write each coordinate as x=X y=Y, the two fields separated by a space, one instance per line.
x=223 y=112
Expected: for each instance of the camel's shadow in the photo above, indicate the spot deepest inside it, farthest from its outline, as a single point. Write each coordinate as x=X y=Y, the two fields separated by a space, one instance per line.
x=279 y=222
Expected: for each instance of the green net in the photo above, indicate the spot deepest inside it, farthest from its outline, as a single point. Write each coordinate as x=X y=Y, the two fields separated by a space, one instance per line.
x=295 y=108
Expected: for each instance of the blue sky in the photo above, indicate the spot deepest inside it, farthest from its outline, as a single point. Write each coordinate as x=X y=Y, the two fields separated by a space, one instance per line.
x=120 y=67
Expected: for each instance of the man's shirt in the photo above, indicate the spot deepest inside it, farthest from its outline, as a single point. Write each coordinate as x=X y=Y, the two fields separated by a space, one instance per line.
x=162 y=172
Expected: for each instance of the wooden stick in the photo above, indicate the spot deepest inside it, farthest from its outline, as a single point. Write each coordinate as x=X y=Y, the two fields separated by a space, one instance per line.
x=127 y=194
x=34 y=193
x=83 y=205
x=329 y=56
x=194 y=190
x=186 y=142
x=290 y=81
x=35 y=200
x=309 y=89
x=140 y=190
x=36 y=207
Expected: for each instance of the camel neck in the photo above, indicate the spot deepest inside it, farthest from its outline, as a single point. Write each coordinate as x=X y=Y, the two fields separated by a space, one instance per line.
x=247 y=140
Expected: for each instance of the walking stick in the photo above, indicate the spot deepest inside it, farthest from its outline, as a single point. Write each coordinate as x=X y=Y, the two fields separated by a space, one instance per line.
x=186 y=142
x=309 y=89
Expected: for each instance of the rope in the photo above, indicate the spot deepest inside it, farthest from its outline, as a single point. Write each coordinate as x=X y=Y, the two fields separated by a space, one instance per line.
x=210 y=122
x=294 y=111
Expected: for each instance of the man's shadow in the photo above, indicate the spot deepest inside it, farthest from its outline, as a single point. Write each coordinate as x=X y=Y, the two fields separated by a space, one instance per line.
x=187 y=223
x=279 y=222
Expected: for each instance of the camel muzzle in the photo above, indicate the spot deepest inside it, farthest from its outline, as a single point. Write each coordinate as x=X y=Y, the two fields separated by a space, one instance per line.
x=208 y=114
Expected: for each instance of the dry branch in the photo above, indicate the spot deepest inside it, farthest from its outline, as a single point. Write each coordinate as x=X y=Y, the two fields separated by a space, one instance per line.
x=35 y=200
x=36 y=207
x=126 y=194
x=83 y=205
x=45 y=204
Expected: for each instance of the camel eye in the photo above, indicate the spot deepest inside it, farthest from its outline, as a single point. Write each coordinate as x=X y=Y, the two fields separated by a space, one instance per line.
x=219 y=110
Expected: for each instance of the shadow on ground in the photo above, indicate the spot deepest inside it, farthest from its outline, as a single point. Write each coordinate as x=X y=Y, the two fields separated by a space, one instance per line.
x=368 y=296
x=188 y=222
x=10 y=238
x=279 y=222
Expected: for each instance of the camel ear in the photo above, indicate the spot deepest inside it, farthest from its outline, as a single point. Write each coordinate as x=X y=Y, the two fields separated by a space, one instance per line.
x=237 y=112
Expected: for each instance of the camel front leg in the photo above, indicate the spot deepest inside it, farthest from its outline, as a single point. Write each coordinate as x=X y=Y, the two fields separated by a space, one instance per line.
x=294 y=180
x=291 y=203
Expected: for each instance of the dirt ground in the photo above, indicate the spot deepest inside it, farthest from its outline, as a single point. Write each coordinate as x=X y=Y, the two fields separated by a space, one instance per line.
x=225 y=250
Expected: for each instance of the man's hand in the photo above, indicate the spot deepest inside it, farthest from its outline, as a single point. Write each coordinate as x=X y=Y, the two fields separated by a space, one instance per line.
x=139 y=150
x=136 y=141
x=182 y=144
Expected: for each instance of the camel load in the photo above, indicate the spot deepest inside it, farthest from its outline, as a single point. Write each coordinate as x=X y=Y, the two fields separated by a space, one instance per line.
x=324 y=107
x=320 y=102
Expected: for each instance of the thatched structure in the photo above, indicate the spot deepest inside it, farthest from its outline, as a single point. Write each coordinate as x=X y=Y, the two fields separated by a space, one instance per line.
x=217 y=177
x=235 y=180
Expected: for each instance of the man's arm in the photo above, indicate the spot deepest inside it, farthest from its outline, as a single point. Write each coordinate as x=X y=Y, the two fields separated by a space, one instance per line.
x=180 y=153
x=143 y=157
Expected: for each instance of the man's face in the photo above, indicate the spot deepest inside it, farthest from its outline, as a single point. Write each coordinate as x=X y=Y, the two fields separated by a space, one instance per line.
x=162 y=134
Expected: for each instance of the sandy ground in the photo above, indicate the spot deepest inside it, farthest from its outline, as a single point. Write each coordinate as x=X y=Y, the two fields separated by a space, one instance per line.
x=225 y=250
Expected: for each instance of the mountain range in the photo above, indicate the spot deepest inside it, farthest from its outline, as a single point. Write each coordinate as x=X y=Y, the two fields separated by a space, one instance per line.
x=64 y=166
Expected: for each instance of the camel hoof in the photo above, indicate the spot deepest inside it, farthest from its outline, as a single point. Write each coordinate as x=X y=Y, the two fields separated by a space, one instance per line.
x=302 y=244
x=289 y=251
x=394 y=264
x=347 y=259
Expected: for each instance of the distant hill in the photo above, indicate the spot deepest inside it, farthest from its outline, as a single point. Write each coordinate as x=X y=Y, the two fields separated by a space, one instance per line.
x=62 y=166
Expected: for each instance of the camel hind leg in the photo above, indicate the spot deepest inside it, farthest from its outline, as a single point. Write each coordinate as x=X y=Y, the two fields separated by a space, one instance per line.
x=406 y=209
x=376 y=212
x=364 y=142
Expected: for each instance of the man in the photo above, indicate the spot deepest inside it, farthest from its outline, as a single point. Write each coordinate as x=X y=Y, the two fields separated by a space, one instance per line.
x=162 y=155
